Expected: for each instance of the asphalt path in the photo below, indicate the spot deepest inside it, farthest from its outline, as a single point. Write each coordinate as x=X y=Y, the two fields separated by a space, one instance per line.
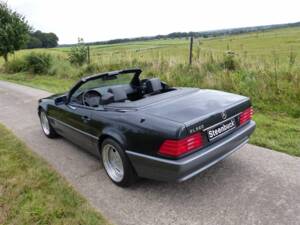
x=253 y=186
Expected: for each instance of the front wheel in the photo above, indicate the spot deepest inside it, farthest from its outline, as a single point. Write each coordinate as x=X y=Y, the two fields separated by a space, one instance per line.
x=116 y=164
x=46 y=126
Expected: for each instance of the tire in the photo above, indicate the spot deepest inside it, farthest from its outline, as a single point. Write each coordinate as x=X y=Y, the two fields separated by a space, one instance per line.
x=46 y=126
x=116 y=164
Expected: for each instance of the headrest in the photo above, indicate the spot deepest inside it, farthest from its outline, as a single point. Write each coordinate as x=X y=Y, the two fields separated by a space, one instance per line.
x=153 y=85
x=119 y=94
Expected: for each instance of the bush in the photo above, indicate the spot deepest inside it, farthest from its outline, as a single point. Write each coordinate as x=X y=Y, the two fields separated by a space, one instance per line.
x=78 y=54
x=15 y=65
x=91 y=68
x=229 y=61
x=62 y=68
x=38 y=63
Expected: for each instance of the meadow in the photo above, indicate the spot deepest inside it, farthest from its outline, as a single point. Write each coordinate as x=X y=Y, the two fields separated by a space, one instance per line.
x=264 y=66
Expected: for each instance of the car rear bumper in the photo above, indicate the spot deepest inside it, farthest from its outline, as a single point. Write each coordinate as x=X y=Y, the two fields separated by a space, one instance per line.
x=187 y=167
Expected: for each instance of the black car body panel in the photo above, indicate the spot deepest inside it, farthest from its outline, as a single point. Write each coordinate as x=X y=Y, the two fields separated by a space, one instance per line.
x=142 y=125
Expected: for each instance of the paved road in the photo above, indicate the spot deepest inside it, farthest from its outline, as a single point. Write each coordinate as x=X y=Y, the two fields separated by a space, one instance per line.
x=253 y=186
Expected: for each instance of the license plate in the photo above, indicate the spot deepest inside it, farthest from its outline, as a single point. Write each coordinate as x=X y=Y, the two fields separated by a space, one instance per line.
x=221 y=129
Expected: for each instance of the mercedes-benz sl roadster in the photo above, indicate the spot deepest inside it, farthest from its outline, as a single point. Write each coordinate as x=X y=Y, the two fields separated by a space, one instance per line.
x=146 y=128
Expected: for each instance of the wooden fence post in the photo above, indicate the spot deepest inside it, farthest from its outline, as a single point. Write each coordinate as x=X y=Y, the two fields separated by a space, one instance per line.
x=191 y=50
x=88 y=55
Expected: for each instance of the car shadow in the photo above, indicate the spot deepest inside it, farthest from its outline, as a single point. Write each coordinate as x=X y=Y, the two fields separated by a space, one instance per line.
x=212 y=179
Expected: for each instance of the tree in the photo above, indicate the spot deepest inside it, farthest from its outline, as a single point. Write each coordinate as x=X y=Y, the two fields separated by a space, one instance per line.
x=52 y=40
x=13 y=30
x=34 y=42
x=38 y=39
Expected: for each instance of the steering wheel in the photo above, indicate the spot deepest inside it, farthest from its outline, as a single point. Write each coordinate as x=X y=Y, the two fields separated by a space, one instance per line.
x=91 y=98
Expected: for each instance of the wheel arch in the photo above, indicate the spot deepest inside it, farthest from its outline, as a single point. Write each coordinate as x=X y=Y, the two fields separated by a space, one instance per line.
x=42 y=106
x=113 y=134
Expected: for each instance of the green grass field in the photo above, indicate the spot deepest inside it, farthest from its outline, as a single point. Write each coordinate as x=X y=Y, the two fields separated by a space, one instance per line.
x=31 y=192
x=264 y=66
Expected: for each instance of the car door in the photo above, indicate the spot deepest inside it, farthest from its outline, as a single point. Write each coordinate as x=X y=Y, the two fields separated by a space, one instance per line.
x=74 y=122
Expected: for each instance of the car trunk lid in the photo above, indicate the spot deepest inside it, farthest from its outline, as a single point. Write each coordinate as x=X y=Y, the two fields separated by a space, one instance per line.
x=202 y=110
x=198 y=105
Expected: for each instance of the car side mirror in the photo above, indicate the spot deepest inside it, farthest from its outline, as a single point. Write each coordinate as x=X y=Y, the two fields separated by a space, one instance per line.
x=61 y=100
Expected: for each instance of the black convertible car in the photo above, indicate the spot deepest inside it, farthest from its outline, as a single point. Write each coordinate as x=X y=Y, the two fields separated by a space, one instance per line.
x=145 y=128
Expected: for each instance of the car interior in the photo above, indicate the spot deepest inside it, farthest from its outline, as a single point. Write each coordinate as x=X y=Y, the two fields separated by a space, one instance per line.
x=121 y=93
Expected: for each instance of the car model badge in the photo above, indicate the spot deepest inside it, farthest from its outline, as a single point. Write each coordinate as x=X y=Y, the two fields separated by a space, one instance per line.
x=224 y=115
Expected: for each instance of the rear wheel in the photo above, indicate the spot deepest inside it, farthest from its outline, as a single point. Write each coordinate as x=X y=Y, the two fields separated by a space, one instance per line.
x=46 y=126
x=116 y=164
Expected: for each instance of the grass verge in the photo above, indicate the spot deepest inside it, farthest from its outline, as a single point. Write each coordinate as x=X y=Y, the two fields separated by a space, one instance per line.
x=33 y=193
x=277 y=132
x=47 y=83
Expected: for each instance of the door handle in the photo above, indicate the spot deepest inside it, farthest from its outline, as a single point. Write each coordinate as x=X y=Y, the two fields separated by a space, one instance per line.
x=85 y=119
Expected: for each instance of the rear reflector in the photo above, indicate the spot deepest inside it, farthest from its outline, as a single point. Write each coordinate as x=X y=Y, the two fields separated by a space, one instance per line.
x=246 y=115
x=176 y=148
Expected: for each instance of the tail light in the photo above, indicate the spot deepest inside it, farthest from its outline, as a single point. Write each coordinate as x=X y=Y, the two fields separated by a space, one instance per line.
x=176 y=148
x=246 y=115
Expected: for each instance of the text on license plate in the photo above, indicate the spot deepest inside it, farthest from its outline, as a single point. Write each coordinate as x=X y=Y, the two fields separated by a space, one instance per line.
x=221 y=129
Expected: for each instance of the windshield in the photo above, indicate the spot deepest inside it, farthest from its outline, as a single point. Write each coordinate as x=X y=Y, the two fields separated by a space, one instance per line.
x=103 y=83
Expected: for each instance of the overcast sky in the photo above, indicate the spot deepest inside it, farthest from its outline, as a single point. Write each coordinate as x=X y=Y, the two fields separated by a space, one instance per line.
x=98 y=20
